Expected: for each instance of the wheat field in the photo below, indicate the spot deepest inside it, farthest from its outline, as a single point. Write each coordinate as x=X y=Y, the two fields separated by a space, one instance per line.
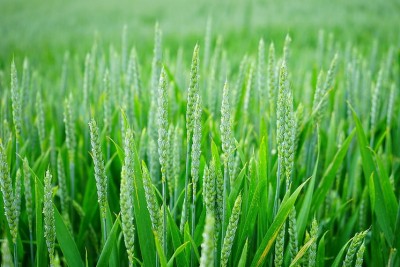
x=188 y=140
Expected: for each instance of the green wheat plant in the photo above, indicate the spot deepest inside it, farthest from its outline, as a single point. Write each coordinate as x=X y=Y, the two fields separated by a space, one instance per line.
x=11 y=198
x=48 y=212
x=99 y=172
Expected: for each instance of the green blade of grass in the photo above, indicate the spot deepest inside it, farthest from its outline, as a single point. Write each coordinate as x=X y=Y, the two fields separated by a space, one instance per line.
x=330 y=173
x=397 y=230
x=321 y=251
x=198 y=232
x=113 y=260
x=177 y=252
x=304 y=213
x=301 y=252
x=160 y=251
x=237 y=187
x=263 y=179
x=189 y=238
x=246 y=226
x=41 y=251
x=109 y=245
x=90 y=210
x=66 y=242
x=385 y=214
x=243 y=256
x=176 y=240
x=120 y=151
x=390 y=198
x=340 y=254
x=272 y=233
x=142 y=215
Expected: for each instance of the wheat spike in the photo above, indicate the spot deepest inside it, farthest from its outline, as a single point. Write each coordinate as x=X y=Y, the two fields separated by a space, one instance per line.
x=352 y=250
x=99 y=168
x=128 y=227
x=271 y=79
x=196 y=147
x=360 y=256
x=279 y=247
x=193 y=90
x=207 y=246
x=11 y=197
x=312 y=252
x=152 y=205
x=48 y=211
x=231 y=231
x=28 y=192
x=40 y=121
x=293 y=233
x=16 y=101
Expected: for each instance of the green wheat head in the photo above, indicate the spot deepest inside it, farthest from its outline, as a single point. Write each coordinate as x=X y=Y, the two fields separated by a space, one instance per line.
x=48 y=212
x=99 y=168
x=11 y=196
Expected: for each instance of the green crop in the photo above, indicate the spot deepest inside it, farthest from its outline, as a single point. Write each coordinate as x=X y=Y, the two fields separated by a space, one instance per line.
x=217 y=147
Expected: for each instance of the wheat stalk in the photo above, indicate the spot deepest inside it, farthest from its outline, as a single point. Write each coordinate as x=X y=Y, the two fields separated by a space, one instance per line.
x=152 y=205
x=63 y=191
x=133 y=71
x=312 y=252
x=86 y=82
x=48 y=211
x=392 y=99
x=11 y=198
x=209 y=191
x=53 y=152
x=195 y=156
x=286 y=48
x=155 y=75
x=128 y=228
x=212 y=76
x=24 y=93
x=247 y=92
x=70 y=139
x=207 y=246
x=40 y=121
x=28 y=202
x=226 y=126
x=163 y=145
x=16 y=103
x=193 y=90
x=107 y=105
x=153 y=159
x=285 y=132
x=261 y=76
x=271 y=80
x=293 y=234
x=374 y=105
x=279 y=247
x=170 y=165
x=360 y=255
x=354 y=245
x=176 y=159
x=6 y=259
x=231 y=231
x=192 y=95
x=318 y=97
x=99 y=173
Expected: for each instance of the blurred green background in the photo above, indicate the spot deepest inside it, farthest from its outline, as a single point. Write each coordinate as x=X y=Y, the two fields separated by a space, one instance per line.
x=42 y=30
